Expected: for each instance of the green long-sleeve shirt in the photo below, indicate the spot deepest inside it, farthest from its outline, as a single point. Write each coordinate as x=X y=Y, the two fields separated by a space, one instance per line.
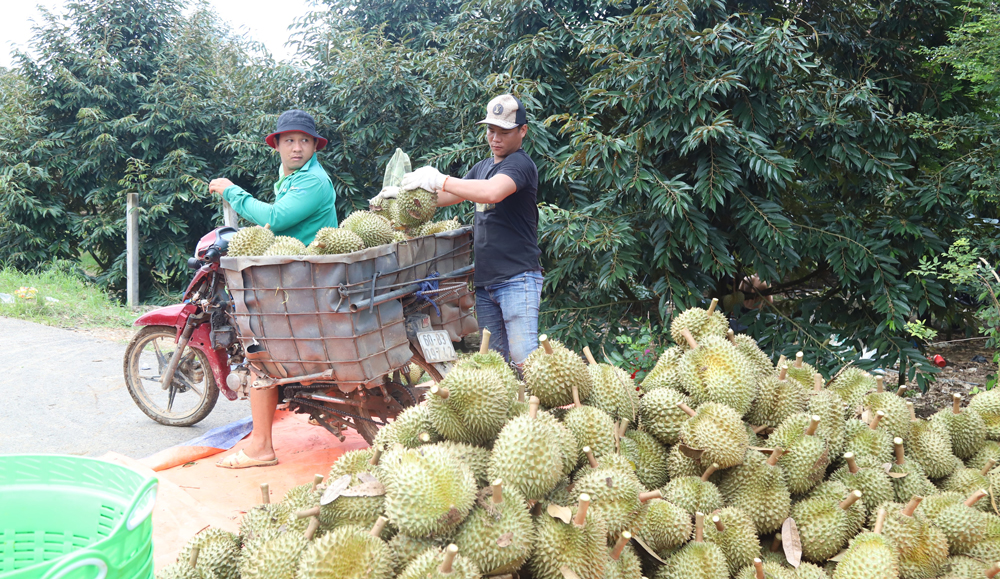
x=303 y=204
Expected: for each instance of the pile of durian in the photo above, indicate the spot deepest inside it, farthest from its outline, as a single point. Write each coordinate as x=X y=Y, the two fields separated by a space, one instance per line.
x=718 y=465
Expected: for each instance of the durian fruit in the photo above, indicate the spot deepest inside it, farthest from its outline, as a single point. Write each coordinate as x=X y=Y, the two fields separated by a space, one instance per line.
x=680 y=464
x=986 y=550
x=372 y=228
x=261 y=520
x=966 y=428
x=487 y=360
x=810 y=571
x=694 y=494
x=301 y=498
x=649 y=457
x=713 y=370
x=665 y=372
x=362 y=467
x=470 y=405
x=398 y=236
x=872 y=481
x=806 y=455
x=777 y=399
x=869 y=556
x=699 y=323
x=407 y=429
x=836 y=491
x=829 y=406
x=183 y=568
x=441 y=564
x=922 y=548
x=801 y=372
x=666 y=527
x=435 y=227
x=612 y=390
x=476 y=458
x=278 y=557
x=897 y=415
x=962 y=524
x=990 y=450
x=915 y=481
x=960 y=567
x=867 y=442
x=551 y=371
x=717 y=430
x=613 y=461
x=759 y=361
x=987 y=405
x=285 y=245
x=218 y=553
x=930 y=445
x=758 y=488
x=427 y=491
x=415 y=207
x=382 y=206
x=564 y=439
x=966 y=481
x=579 y=546
x=734 y=532
x=660 y=415
x=765 y=570
x=852 y=384
x=348 y=552
x=824 y=525
x=498 y=535
x=335 y=241
x=406 y=548
x=250 y=241
x=618 y=497
x=526 y=455
x=696 y=560
x=623 y=563
x=590 y=427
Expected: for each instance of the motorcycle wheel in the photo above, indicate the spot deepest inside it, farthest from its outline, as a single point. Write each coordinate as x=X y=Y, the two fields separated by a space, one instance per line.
x=192 y=393
x=366 y=429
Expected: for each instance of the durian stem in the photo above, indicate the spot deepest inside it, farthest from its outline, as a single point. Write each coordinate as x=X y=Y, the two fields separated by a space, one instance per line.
x=798 y=359
x=440 y=391
x=879 y=521
x=776 y=543
x=850 y=500
x=699 y=527
x=913 y=411
x=590 y=456
x=732 y=336
x=783 y=374
x=576 y=396
x=880 y=384
x=450 y=552
x=193 y=559
x=568 y=573
x=267 y=226
x=711 y=306
x=317 y=480
x=650 y=495
x=581 y=510
x=956 y=403
x=497 y=488
x=484 y=344
x=718 y=524
x=813 y=425
x=758 y=567
x=709 y=471
x=852 y=464
x=817 y=382
x=901 y=391
x=775 y=456
x=782 y=361
x=533 y=404
x=689 y=338
x=761 y=428
x=312 y=528
x=993 y=571
x=265 y=494
x=911 y=506
x=988 y=467
x=687 y=409
x=878 y=417
x=378 y=527
x=975 y=497
x=424 y=437
x=310 y=512
x=897 y=443
x=624 y=427
x=520 y=392
x=589 y=356
x=620 y=545
x=544 y=341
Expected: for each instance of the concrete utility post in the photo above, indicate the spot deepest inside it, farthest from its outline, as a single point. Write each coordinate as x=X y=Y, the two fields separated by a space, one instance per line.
x=132 y=250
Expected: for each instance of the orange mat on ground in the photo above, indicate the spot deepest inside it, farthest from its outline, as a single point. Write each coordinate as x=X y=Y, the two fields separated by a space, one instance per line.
x=218 y=496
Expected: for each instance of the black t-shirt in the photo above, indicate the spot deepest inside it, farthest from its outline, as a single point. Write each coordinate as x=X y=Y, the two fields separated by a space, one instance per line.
x=506 y=233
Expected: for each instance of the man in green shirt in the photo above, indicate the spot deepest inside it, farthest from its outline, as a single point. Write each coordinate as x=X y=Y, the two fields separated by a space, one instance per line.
x=303 y=204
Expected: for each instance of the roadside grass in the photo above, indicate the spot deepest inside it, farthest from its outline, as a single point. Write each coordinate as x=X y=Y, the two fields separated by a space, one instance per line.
x=79 y=304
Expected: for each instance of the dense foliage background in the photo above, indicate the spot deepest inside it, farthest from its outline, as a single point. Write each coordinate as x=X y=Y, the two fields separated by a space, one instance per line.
x=683 y=146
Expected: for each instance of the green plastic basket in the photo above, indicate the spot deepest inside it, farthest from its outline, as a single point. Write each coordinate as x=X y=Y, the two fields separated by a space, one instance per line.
x=68 y=517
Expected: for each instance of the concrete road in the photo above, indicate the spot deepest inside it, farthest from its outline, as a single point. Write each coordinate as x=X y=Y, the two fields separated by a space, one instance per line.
x=63 y=392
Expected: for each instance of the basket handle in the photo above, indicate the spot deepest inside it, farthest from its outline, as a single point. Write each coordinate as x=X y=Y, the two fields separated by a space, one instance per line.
x=142 y=505
x=78 y=559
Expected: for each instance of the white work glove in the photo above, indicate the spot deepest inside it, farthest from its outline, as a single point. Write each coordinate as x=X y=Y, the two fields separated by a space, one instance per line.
x=427 y=178
x=385 y=194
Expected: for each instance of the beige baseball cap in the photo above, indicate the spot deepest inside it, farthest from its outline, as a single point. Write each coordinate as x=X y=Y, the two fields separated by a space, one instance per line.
x=505 y=111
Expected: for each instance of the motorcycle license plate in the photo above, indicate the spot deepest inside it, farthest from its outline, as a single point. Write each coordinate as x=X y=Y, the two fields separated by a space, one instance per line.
x=437 y=346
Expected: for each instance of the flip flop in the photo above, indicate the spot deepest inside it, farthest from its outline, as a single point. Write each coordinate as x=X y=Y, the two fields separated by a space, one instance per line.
x=241 y=460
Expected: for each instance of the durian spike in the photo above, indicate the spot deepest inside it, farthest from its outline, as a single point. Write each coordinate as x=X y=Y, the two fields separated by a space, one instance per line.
x=852 y=464
x=783 y=374
x=533 y=404
x=581 y=510
x=484 y=345
x=758 y=567
x=440 y=391
x=761 y=428
x=590 y=456
x=424 y=437
x=993 y=571
x=544 y=341
x=711 y=306
x=497 y=488
x=880 y=384
x=576 y=396
x=911 y=506
x=686 y=409
x=798 y=359
x=817 y=382
x=589 y=356
x=956 y=403
x=699 y=527
x=265 y=494
x=975 y=497
x=732 y=336
x=310 y=512
x=776 y=543
x=813 y=425
x=709 y=471
x=650 y=495
x=913 y=411
x=879 y=521
x=312 y=528
x=620 y=545
x=718 y=524
x=850 y=500
x=193 y=559
x=901 y=391
x=897 y=443
x=689 y=338
x=988 y=467
x=874 y=423
x=449 y=559
x=378 y=527
x=317 y=479
x=775 y=456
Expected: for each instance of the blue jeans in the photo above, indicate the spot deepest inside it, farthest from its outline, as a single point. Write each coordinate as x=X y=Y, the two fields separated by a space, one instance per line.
x=509 y=310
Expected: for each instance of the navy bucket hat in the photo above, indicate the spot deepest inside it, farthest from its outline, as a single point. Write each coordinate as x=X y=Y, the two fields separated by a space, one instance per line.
x=295 y=120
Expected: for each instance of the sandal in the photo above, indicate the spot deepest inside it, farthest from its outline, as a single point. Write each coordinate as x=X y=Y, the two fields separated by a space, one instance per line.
x=241 y=460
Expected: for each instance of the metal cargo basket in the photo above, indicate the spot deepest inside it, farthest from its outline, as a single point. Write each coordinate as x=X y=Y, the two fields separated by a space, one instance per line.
x=342 y=314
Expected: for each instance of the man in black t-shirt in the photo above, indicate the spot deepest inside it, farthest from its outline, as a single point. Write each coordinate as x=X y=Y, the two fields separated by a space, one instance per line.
x=504 y=188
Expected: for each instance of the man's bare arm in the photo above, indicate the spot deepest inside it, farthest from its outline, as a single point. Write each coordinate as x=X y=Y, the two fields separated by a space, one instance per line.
x=493 y=190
